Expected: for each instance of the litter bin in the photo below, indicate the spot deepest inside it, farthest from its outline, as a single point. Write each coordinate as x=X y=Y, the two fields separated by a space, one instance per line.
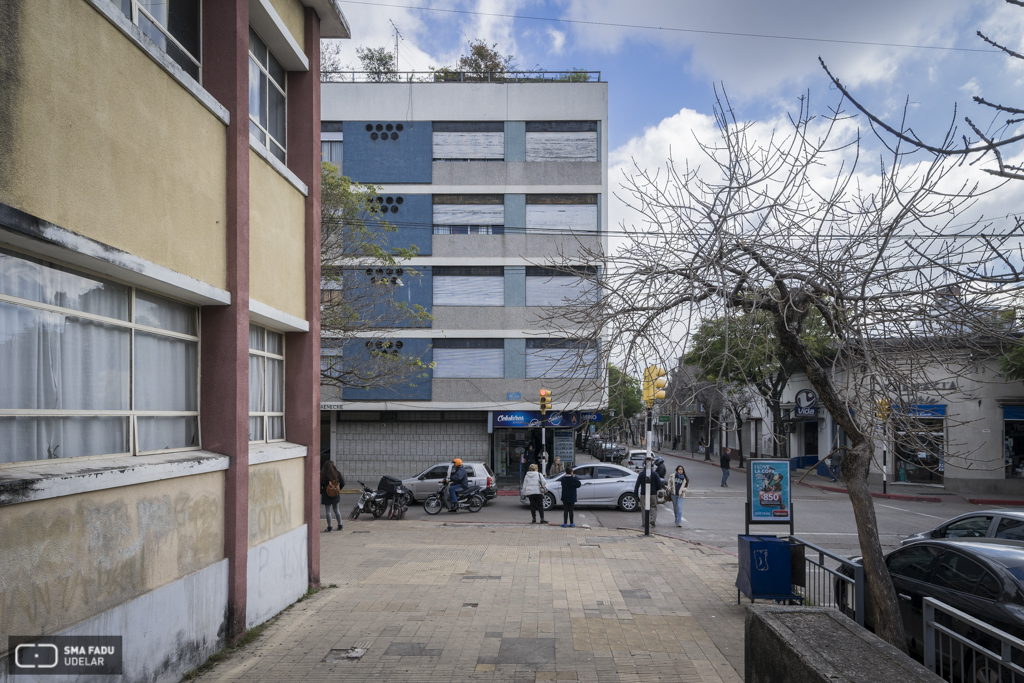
x=765 y=571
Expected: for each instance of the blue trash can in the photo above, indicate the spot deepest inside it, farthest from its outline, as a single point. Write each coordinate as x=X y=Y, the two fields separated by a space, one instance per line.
x=765 y=571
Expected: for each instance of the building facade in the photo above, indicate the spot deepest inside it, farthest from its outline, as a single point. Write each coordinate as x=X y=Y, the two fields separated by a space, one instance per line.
x=159 y=320
x=493 y=183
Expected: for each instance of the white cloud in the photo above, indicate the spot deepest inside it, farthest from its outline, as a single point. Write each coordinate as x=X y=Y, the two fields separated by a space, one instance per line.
x=971 y=87
x=557 y=41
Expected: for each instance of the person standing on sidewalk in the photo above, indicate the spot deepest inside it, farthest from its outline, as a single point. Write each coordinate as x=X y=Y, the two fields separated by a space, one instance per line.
x=702 y=449
x=638 y=491
x=725 y=464
x=569 y=485
x=534 y=489
x=678 y=482
x=331 y=484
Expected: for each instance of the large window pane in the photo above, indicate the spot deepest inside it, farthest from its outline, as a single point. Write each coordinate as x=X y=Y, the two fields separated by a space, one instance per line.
x=45 y=438
x=275 y=428
x=255 y=337
x=165 y=373
x=468 y=363
x=156 y=311
x=47 y=283
x=275 y=385
x=275 y=343
x=164 y=433
x=255 y=429
x=256 y=384
x=254 y=88
x=50 y=361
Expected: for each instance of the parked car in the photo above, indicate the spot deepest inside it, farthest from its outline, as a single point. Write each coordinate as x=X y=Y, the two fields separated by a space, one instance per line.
x=983 y=578
x=1005 y=524
x=425 y=483
x=602 y=484
x=635 y=459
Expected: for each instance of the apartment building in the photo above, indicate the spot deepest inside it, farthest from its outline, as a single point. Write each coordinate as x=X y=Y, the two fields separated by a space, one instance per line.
x=159 y=320
x=494 y=183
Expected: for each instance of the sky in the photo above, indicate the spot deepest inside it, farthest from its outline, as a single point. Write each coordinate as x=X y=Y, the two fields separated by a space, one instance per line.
x=924 y=55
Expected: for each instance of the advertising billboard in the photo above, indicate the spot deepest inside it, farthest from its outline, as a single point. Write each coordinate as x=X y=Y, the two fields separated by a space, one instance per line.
x=768 y=491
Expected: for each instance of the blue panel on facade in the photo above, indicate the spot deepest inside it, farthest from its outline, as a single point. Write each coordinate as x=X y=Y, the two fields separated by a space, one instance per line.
x=515 y=358
x=515 y=212
x=412 y=216
x=415 y=388
x=1013 y=412
x=515 y=141
x=924 y=410
x=413 y=287
x=388 y=151
x=515 y=286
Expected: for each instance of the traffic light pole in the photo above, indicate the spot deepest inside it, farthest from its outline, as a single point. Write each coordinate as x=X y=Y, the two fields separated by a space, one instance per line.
x=647 y=479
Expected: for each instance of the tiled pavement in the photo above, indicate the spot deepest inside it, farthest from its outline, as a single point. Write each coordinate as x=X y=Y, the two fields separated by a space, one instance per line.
x=438 y=602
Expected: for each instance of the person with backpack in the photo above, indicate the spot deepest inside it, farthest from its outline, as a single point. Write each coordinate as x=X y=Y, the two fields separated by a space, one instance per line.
x=331 y=483
x=570 y=482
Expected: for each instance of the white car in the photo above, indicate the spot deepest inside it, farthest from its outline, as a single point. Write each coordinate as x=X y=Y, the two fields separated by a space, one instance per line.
x=635 y=459
x=602 y=484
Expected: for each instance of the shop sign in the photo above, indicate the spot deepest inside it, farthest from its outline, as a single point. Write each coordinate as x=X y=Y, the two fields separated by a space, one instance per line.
x=665 y=418
x=533 y=418
x=563 y=447
x=805 y=403
x=768 y=491
x=510 y=396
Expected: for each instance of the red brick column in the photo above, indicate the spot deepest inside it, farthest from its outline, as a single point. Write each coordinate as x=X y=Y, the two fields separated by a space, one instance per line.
x=224 y=393
x=302 y=357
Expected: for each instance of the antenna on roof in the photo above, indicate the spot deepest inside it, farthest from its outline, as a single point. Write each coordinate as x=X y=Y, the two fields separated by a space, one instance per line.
x=398 y=36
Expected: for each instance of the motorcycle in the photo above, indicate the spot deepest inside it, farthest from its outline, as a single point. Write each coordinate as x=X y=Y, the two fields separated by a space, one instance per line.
x=370 y=500
x=469 y=499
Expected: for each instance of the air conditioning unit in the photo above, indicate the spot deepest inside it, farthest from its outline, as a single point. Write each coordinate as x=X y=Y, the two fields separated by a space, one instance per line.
x=790 y=427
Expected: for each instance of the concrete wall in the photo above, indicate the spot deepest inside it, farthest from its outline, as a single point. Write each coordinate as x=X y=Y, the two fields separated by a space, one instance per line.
x=100 y=140
x=276 y=575
x=277 y=224
x=70 y=558
x=275 y=499
x=486 y=250
x=291 y=13
x=368 y=450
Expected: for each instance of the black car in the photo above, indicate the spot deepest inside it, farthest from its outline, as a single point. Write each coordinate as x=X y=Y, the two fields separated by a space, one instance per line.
x=983 y=578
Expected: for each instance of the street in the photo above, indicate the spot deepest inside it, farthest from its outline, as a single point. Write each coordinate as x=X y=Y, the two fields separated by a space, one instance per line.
x=714 y=515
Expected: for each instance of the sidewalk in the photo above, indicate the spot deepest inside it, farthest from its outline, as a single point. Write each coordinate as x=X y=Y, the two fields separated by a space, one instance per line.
x=456 y=601
x=898 y=491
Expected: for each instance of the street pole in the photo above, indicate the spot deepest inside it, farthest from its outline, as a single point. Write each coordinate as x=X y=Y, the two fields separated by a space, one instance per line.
x=885 y=447
x=647 y=477
x=543 y=447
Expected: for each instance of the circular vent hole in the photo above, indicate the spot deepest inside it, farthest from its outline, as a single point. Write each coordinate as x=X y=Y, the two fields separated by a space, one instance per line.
x=389 y=127
x=369 y=127
x=398 y=344
x=380 y=271
x=390 y=200
x=399 y=272
x=380 y=200
x=394 y=209
x=373 y=136
x=399 y=200
x=394 y=280
x=394 y=136
x=369 y=345
x=369 y=272
x=399 y=128
x=390 y=271
x=379 y=127
x=379 y=344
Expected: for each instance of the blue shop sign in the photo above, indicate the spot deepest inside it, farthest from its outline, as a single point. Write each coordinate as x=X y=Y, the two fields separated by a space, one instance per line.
x=533 y=418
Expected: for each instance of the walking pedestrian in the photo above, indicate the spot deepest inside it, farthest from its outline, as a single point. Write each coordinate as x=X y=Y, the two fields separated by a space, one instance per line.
x=702 y=449
x=570 y=483
x=331 y=483
x=677 y=483
x=725 y=464
x=535 y=490
x=639 y=489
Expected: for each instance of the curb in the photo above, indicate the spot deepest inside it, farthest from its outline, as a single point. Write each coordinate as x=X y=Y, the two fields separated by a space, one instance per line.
x=678 y=538
x=886 y=496
x=994 y=501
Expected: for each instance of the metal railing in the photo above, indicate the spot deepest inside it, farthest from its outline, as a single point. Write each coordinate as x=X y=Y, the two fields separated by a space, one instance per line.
x=827 y=580
x=446 y=76
x=958 y=647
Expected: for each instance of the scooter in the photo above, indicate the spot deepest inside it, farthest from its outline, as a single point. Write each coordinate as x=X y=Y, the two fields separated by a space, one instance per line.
x=370 y=500
x=469 y=499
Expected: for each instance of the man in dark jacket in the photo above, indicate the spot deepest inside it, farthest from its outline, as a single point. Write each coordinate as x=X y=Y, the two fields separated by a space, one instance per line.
x=638 y=491
x=459 y=481
x=659 y=467
x=724 y=463
x=570 y=482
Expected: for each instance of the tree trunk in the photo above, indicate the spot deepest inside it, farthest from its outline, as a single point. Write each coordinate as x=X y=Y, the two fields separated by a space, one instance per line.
x=885 y=609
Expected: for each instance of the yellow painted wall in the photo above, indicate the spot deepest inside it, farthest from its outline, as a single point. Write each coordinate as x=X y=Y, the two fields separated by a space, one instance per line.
x=277 y=239
x=106 y=144
x=293 y=15
x=276 y=495
x=66 y=559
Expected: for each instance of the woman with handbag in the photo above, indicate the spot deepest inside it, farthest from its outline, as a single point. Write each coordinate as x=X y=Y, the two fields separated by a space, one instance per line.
x=331 y=483
x=534 y=489
x=677 y=484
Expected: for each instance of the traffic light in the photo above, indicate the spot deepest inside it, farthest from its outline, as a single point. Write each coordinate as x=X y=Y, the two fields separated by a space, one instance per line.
x=654 y=382
x=545 y=401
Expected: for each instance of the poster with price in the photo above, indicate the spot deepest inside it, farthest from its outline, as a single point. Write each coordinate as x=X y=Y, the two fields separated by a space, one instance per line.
x=563 y=447
x=769 y=491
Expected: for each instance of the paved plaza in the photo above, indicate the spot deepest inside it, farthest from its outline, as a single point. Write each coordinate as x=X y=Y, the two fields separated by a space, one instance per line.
x=448 y=599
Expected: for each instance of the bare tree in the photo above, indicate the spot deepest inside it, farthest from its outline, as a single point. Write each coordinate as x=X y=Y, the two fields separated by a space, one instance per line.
x=981 y=145
x=364 y=277
x=791 y=229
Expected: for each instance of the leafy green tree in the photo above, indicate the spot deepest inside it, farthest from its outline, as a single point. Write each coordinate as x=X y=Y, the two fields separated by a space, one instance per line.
x=484 y=60
x=360 y=274
x=744 y=349
x=378 y=63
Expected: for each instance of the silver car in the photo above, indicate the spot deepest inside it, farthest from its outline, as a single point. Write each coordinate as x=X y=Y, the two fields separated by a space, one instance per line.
x=426 y=482
x=1003 y=524
x=602 y=484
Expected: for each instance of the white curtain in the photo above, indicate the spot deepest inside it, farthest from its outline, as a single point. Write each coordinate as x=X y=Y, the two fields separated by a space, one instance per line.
x=256 y=395
x=155 y=311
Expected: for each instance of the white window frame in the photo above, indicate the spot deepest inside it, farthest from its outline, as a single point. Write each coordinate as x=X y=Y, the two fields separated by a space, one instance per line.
x=139 y=9
x=131 y=414
x=271 y=140
x=265 y=414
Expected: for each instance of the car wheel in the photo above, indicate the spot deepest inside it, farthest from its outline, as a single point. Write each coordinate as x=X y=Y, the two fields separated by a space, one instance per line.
x=432 y=505
x=549 y=501
x=628 y=502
